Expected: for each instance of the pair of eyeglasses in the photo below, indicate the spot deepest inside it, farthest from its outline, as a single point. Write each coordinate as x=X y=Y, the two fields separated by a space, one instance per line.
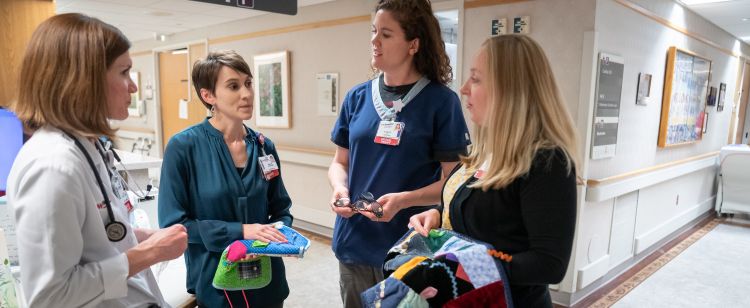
x=365 y=203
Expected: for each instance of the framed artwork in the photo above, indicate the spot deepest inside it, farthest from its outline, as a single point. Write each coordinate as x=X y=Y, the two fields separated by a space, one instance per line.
x=722 y=96
x=711 y=101
x=272 y=99
x=684 y=98
x=644 y=89
x=136 y=104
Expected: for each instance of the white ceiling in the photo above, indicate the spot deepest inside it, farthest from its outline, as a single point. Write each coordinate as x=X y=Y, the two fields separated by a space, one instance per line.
x=143 y=19
x=732 y=16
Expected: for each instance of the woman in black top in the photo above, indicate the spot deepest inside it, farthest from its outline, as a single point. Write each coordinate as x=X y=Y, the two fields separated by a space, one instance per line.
x=517 y=188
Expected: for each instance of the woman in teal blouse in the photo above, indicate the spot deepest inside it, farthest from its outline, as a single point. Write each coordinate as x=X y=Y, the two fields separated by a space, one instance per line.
x=213 y=183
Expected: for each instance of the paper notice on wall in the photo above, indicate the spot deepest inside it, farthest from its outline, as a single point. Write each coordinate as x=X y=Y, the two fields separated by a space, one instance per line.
x=183 y=113
x=328 y=84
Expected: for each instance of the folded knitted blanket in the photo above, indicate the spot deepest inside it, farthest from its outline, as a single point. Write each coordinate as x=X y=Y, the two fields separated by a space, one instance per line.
x=296 y=246
x=246 y=264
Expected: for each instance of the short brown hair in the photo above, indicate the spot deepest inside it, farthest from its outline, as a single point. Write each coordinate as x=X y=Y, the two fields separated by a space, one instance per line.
x=64 y=72
x=418 y=22
x=206 y=71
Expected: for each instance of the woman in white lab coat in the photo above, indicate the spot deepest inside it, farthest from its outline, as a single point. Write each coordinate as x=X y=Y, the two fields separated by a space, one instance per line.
x=76 y=247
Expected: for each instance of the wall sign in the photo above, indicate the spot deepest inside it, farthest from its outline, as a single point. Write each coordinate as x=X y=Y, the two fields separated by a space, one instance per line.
x=288 y=7
x=607 y=108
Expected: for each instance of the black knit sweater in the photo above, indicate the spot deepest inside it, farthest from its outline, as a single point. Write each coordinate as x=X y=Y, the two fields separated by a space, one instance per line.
x=533 y=219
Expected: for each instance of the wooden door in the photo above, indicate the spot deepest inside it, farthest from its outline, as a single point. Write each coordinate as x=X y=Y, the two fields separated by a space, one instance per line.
x=18 y=20
x=175 y=85
x=743 y=130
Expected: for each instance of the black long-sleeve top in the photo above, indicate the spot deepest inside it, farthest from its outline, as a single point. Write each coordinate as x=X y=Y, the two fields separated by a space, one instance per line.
x=532 y=219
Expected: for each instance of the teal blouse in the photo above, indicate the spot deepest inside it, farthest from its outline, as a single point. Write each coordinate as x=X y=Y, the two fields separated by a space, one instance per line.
x=201 y=189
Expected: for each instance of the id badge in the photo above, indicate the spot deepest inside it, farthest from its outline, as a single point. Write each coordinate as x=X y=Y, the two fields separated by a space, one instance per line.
x=389 y=133
x=119 y=190
x=269 y=167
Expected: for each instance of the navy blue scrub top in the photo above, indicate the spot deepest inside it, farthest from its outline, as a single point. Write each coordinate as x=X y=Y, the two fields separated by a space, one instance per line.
x=435 y=131
x=201 y=189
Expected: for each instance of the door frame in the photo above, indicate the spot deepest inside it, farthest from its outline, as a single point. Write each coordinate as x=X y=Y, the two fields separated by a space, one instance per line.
x=157 y=86
x=740 y=111
x=459 y=6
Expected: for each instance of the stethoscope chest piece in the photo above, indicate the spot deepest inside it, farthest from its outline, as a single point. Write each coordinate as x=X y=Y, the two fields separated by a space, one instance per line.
x=116 y=231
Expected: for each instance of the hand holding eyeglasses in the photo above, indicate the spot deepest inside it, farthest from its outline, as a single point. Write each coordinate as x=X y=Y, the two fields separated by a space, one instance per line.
x=391 y=204
x=366 y=204
x=341 y=192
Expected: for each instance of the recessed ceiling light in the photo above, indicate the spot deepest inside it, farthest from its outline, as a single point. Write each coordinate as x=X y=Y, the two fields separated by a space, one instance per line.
x=694 y=2
x=159 y=13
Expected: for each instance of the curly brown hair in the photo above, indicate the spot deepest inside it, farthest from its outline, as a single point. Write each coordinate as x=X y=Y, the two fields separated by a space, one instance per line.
x=418 y=22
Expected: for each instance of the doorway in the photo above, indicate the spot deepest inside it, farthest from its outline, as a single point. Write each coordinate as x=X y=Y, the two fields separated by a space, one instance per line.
x=743 y=121
x=180 y=107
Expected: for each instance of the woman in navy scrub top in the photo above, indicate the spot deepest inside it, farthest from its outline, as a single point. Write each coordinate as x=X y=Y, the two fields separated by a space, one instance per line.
x=212 y=182
x=398 y=135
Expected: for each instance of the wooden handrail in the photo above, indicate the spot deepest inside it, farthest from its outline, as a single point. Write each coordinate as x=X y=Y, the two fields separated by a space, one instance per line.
x=620 y=177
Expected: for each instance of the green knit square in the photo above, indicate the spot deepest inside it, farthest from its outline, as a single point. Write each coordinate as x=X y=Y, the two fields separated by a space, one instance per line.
x=243 y=275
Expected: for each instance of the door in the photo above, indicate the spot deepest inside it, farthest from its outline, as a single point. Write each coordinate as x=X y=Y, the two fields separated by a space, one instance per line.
x=743 y=128
x=180 y=106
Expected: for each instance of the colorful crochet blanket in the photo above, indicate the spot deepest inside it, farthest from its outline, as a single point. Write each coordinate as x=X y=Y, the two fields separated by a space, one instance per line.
x=445 y=269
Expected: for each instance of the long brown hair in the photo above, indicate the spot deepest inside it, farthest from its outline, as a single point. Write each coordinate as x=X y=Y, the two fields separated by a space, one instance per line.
x=525 y=112
x=418 y=22
x=64 y=72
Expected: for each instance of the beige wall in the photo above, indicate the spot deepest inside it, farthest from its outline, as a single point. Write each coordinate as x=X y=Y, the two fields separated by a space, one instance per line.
x=18 y=20
x=557 y=25
x=315 y=45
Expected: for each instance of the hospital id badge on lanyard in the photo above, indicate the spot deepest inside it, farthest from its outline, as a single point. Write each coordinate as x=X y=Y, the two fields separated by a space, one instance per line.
x=116 y=181
x=267 y=162
x=389 y=133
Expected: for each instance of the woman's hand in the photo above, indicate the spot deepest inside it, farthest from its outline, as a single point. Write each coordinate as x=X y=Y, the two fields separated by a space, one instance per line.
x=265 y=233
x=392 y=203
x=425 y=221
x=340 y=192
x=143 y=234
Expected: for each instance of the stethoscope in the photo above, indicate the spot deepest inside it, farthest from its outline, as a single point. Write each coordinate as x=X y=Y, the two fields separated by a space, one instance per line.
x=139 y=193
x=115 y=230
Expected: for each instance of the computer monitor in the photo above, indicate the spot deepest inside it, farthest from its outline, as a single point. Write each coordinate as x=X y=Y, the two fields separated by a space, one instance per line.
x=11 y=140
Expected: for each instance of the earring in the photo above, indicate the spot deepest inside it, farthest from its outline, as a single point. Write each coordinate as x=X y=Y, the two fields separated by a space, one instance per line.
x=213 y=109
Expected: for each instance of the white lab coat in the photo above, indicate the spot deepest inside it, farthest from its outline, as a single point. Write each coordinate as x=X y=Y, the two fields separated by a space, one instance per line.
x=65 y=257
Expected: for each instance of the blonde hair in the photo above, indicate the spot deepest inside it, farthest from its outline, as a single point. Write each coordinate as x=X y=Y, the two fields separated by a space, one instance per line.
x=63 y=75
x=525 y=113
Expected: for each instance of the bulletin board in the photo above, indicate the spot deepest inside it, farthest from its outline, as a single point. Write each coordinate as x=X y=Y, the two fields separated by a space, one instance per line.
x=684 y=99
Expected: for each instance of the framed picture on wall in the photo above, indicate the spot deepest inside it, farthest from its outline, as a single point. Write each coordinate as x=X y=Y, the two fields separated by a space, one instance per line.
x=272 y=99
x=722 y=96
x=684 y=98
